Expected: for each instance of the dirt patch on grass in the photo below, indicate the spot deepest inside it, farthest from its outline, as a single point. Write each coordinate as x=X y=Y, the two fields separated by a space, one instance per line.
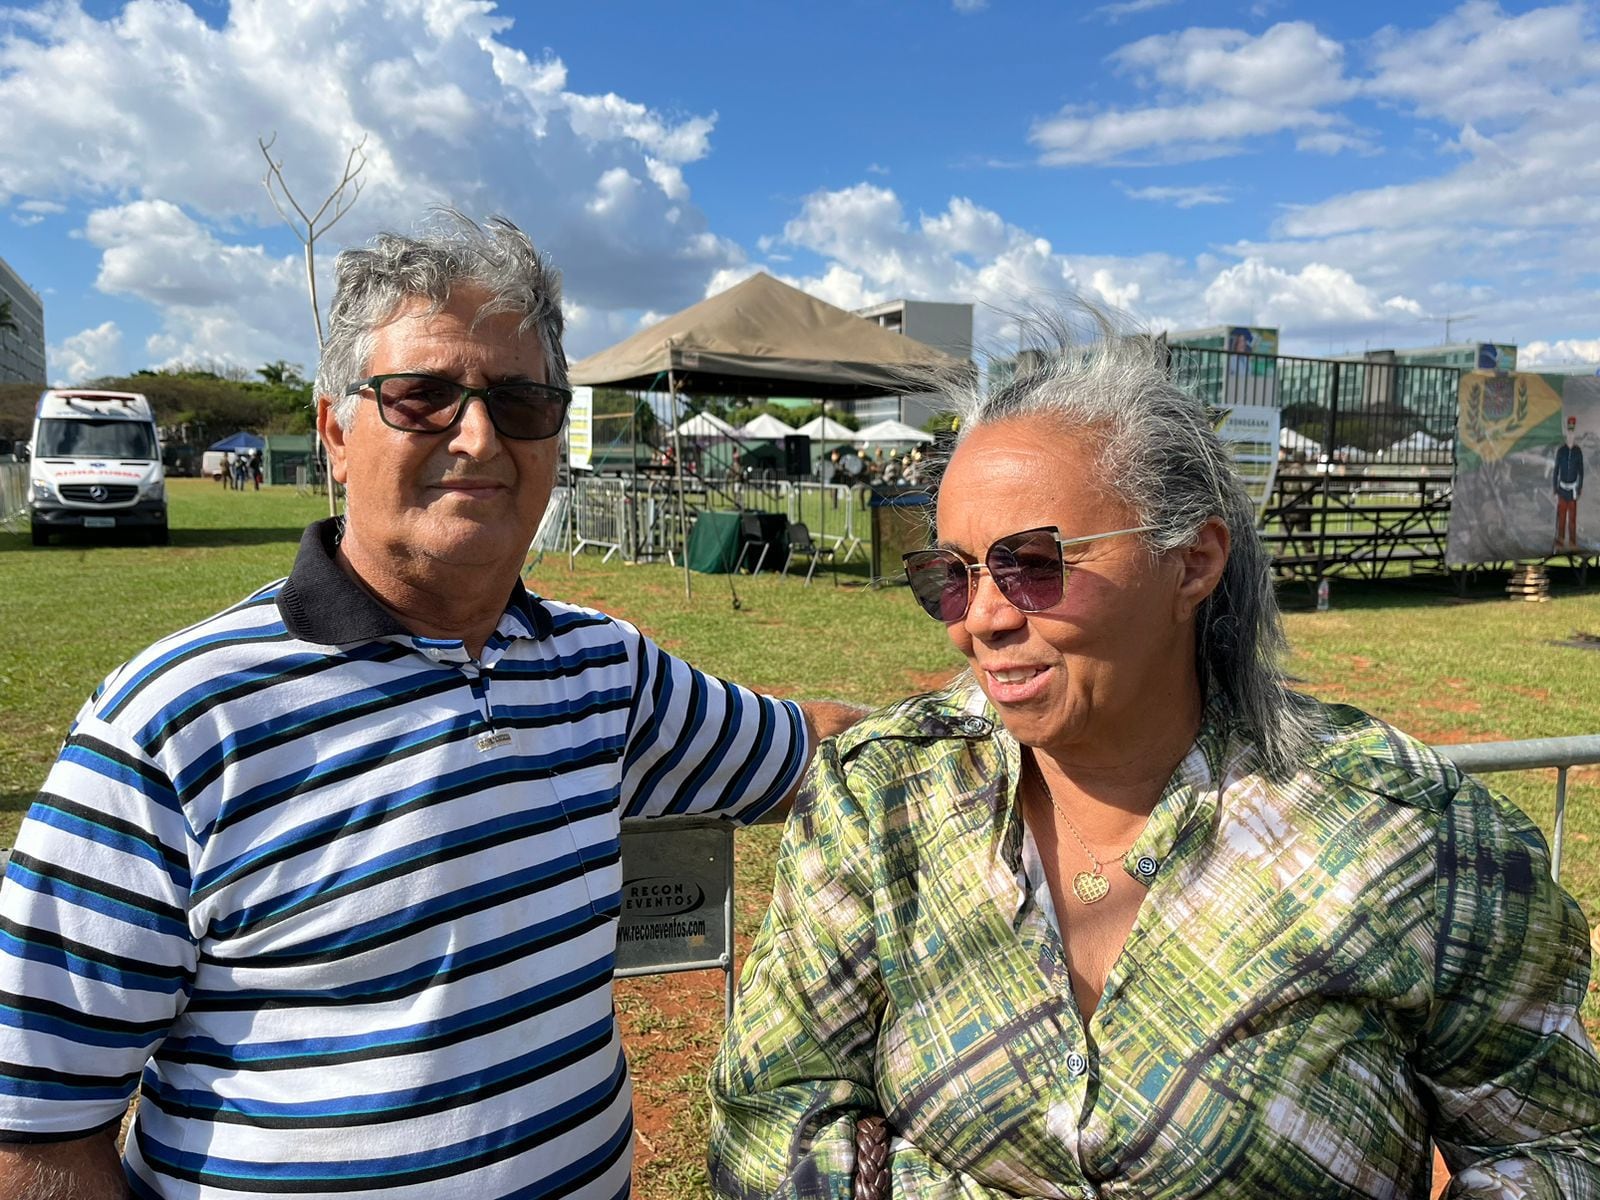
x=1530 y=693
x=671 y=1026
x=930 y=681
x=1461 y=707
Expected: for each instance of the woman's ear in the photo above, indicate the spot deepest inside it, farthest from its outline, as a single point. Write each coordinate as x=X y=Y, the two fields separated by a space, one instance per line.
x=1202 y=563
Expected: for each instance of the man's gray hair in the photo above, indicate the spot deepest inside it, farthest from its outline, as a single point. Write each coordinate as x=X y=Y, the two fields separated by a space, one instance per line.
x=372 y=282
x=1156 y=448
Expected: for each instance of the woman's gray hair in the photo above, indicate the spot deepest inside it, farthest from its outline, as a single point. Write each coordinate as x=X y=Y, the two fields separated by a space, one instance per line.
x=373 y=281
x=1157 y=449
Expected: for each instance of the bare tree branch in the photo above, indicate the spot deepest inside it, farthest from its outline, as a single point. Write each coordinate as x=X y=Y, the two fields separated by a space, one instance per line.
x=309 y=228
x=354 y=163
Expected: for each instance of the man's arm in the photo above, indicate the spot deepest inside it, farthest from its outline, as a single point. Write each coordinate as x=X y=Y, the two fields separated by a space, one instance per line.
x=824 y=718
x=81 y=1169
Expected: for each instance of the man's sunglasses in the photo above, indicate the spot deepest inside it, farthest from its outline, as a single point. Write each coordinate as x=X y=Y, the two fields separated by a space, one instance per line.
x=522 y=410
x=1027 y=567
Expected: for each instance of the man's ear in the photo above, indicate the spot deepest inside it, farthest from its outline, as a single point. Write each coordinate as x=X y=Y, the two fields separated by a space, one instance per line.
x=333 y=437
x=1202 y=564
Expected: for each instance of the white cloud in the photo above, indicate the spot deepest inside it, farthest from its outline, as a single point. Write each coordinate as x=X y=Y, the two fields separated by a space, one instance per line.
x=1566 y=350
x=1477 y=63
x=1228 y=88
x=1492 y=203
x=868 y=250
x=31 y=212
x=85 y=355
x=153 y=250
x=154 y=106
x=1182 y=197
x=874 y=252
x=968 y=7
x=1128 y=8
x=219 y=301
x=1328 y=141
x=610 y=117
x=1325 y=298
x=1291 y=64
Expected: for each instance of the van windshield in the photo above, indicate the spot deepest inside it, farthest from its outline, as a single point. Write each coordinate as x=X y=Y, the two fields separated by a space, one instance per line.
x=93 y=438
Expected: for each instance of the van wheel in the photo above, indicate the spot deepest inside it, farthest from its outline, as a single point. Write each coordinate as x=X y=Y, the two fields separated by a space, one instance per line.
x=160 y=535
x=41 y=536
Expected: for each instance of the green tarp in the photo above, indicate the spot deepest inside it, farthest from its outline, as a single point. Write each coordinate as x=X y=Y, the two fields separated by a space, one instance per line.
x=714 y=543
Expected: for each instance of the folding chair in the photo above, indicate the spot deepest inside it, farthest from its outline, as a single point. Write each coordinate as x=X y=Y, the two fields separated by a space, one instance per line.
x=751 y=534
x=799 y=539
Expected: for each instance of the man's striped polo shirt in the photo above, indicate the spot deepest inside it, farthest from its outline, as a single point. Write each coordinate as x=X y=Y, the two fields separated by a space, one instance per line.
x=348 y=899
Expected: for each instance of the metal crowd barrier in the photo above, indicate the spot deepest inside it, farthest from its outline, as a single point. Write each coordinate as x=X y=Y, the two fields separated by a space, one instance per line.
x=13 y=496
x=1562 y=753
x=598 y=511
x=637 y=518
x=677 y=872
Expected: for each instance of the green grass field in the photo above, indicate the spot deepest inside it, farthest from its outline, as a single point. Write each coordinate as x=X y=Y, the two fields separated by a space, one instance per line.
x=1446 y=669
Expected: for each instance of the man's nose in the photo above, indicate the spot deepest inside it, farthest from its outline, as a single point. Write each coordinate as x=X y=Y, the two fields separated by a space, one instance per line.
x=474 y=432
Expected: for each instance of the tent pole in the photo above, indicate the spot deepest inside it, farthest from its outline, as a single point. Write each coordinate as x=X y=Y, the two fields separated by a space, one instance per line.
x=677 y=456
x=822 y=466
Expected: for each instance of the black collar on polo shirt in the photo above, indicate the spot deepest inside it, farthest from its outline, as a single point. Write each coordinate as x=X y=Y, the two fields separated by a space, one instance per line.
x=320 y=603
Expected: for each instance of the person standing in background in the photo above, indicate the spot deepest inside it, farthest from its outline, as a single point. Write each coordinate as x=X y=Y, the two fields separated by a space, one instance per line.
x=1568 y=480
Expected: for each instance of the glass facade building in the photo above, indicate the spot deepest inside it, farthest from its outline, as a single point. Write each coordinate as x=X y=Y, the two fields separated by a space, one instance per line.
x=22 y=348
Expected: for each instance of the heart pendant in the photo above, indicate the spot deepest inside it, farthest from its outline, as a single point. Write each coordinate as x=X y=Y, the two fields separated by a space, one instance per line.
x=1090 y=887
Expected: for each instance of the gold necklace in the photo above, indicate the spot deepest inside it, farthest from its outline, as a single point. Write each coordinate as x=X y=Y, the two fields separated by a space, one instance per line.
x=1088 y=886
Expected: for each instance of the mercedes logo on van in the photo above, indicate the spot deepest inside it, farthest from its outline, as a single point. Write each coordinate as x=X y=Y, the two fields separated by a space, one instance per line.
x=99 y=494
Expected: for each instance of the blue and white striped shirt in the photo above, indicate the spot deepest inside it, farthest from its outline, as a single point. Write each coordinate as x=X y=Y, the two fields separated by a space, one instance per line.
x=347 y=899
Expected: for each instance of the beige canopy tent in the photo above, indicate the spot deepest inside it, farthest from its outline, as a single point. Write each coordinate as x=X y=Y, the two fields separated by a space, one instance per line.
x=761 y=338
x=764 y=338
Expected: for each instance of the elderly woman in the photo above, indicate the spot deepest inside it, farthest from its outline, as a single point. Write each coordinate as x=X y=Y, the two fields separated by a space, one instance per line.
x=1118 y=914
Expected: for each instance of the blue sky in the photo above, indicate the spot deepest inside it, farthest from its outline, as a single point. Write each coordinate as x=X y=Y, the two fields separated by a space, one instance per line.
x=1350 y=174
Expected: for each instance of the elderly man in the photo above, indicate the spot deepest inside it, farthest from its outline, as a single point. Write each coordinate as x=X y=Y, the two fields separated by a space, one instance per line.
x=333 y=876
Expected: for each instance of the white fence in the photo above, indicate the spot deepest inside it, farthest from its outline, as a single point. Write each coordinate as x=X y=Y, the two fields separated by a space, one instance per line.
x=13 y=496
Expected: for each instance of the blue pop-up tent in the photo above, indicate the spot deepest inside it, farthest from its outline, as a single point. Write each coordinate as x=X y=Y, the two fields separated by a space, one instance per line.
x=241 y=441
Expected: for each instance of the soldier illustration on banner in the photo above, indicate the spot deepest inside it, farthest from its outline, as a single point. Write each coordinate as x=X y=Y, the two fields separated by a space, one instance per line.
x=1520 y=467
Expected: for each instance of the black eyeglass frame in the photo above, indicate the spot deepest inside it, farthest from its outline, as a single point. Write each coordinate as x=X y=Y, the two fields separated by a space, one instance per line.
x=374 y=384
x=973 y=569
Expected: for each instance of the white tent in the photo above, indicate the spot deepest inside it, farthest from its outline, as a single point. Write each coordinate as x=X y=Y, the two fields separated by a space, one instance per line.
x=1298 y=443
x=891 y=431
x=1420 y=442
x=704 y=425
x=766 y=427
x=828 y=430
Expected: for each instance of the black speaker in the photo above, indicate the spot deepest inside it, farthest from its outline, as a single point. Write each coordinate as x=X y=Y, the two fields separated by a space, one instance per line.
x=796 y=454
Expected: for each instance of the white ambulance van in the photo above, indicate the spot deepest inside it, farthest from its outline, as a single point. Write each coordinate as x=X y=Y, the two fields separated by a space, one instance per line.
x=96 y=464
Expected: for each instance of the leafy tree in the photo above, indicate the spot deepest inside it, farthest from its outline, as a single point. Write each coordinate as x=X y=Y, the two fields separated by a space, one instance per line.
x=8 y=320
x=282 y=374
x=619 y=414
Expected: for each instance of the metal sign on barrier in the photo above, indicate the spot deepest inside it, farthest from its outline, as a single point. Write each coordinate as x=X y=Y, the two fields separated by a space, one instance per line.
x=677 y=899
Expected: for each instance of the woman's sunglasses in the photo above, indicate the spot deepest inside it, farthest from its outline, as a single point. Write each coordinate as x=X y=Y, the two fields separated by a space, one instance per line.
x=1027 y=567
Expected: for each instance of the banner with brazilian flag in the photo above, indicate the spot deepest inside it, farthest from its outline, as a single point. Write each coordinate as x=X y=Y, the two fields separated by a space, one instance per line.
x=1519 y=488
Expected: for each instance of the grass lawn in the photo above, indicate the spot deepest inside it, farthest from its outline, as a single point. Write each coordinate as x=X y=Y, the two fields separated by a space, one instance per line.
x=1446 y=669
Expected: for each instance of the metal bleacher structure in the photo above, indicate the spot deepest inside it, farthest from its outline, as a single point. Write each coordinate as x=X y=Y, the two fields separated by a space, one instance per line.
x=1373 y=497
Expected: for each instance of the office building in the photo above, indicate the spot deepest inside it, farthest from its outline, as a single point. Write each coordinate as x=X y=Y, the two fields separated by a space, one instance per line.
x=943 y=326
x=22 y=348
